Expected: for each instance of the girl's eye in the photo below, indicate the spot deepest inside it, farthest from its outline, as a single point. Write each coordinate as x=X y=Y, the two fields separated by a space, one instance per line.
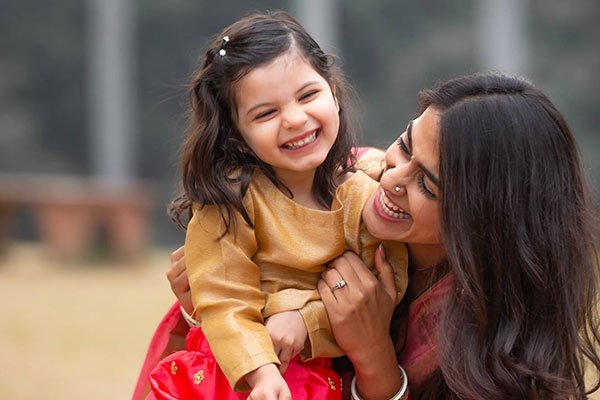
x=264 y=114
x=423 y=187
x=308 y=95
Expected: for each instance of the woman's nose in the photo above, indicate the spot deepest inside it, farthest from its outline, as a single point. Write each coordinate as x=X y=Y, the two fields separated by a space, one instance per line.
x=294 y=116
x=397 y=175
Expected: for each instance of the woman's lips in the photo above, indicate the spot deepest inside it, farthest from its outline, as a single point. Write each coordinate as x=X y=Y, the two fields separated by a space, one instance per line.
x=388 y=210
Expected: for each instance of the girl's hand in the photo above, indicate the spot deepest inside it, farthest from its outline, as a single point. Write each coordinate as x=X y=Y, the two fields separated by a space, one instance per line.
x=267 y=384
x=178 y=279
x=288 y=333
x=360 y=312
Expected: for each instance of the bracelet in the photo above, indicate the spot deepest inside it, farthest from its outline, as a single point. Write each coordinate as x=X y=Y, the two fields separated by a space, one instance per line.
x=190 y=321
x=402 y=394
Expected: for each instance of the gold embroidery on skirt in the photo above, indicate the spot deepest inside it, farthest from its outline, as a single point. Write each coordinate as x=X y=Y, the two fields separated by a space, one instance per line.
x=173 y=368
x=331 y=383
x=198 y=377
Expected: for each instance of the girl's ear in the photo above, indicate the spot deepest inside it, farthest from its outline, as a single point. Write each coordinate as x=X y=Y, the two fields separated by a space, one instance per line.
x=333 y=90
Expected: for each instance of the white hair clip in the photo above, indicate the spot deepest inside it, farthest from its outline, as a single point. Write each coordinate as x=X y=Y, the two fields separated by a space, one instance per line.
x=222 y=52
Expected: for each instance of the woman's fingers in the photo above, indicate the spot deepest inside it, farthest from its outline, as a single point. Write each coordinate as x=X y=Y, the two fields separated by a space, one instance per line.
x=386 y=273
x=177 y=265
x=177 y=276
x=177 y=254
x=344 y=268
x=178 y=279
x=327 y=297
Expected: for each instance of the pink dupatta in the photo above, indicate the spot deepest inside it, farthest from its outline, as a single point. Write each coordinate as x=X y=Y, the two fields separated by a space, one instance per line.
x=419 y=358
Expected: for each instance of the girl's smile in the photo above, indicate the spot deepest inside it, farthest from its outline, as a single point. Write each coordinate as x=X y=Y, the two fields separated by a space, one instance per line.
x=302 y=141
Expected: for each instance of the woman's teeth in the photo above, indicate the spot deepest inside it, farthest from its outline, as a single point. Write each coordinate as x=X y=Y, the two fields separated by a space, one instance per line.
x=390 y=208
x=300 y=143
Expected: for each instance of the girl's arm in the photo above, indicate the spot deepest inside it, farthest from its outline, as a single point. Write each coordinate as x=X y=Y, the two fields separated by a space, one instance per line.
x=226 y=293
x=268 y=384
x=288 y=333
x=360 y=315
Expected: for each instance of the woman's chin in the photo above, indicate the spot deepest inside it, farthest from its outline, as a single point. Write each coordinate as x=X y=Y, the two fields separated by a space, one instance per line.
x=381 y=225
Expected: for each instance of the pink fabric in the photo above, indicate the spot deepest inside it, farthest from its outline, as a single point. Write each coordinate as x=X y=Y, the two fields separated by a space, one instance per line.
x=157 y=347
x=360 y=151
x=195 y=374
x=420 y=355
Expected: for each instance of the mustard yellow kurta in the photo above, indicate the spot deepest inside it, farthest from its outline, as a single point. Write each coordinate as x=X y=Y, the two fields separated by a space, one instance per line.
x=245 y=277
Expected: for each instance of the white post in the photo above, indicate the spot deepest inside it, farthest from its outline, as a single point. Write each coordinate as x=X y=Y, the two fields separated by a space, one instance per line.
x=112 y=94
x=503 y=40
x=321 y=20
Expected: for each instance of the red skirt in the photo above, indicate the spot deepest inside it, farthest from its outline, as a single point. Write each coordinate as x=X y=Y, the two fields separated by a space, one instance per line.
x=195 y=374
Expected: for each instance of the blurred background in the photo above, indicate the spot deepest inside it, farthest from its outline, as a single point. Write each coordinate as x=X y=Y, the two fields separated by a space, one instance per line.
x=92 y=103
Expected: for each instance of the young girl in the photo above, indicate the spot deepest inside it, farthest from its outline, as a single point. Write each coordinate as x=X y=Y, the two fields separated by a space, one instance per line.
x=272 y=200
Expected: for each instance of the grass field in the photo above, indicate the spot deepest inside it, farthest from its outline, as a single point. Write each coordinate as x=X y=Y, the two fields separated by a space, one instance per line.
x=78 y=330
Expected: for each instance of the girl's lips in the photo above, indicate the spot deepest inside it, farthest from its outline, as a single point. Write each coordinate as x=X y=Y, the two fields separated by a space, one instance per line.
x=388 y=210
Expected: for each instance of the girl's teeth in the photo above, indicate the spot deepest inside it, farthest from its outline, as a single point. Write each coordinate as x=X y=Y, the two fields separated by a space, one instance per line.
x=307 y=140
x=390 y=208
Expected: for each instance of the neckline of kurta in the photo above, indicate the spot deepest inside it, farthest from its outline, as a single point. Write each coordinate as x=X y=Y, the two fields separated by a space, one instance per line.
x=269 y=188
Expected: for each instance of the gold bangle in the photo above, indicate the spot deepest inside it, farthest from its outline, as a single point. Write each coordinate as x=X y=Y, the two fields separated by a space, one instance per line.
x=402 y=394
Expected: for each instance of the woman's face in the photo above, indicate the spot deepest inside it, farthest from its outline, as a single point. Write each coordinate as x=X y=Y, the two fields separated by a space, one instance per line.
x=406 y=206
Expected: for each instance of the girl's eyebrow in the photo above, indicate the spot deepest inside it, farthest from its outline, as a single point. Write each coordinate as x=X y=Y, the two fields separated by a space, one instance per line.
x=427 y=172
x=409 y=136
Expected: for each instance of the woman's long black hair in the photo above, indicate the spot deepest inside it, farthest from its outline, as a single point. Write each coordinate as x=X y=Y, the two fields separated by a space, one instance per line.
x=520 y=238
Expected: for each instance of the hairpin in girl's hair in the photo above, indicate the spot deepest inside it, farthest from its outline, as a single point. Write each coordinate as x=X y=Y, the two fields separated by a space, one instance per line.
x=222 y=52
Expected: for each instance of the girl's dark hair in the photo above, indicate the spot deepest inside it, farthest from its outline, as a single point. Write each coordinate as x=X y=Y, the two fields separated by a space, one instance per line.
x=519 y=233
x=216 y=164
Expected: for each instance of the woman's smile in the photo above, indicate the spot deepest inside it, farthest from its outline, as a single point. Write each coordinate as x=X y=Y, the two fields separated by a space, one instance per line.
x=388 y=210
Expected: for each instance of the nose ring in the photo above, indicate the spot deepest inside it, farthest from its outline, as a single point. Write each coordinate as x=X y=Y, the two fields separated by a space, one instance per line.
x=397 y=189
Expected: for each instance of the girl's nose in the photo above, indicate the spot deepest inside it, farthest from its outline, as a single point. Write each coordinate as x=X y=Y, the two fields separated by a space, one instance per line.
x=294 y=117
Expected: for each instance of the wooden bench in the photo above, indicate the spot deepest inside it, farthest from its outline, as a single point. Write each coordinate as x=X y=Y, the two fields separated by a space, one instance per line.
x=70 y=210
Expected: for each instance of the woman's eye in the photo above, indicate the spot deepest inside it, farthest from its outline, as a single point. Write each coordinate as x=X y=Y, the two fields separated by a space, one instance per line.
x=403 y=147
x=423 y=187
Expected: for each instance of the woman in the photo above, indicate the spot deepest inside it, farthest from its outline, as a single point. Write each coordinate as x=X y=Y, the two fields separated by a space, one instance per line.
x=485 y=188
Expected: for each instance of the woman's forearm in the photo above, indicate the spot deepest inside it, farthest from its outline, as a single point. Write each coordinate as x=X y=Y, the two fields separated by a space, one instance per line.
x=377 y=374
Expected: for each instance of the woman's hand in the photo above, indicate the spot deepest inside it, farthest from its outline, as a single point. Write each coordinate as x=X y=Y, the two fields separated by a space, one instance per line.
x=180 y=285
x=288 y=333
x=360 y=314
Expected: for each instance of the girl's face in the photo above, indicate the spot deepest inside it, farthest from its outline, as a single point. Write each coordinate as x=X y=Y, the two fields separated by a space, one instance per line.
x=287 y=114
x=406 y=206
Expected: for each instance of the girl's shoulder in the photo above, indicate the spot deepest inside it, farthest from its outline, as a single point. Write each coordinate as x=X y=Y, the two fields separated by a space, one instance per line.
x=370 y=160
